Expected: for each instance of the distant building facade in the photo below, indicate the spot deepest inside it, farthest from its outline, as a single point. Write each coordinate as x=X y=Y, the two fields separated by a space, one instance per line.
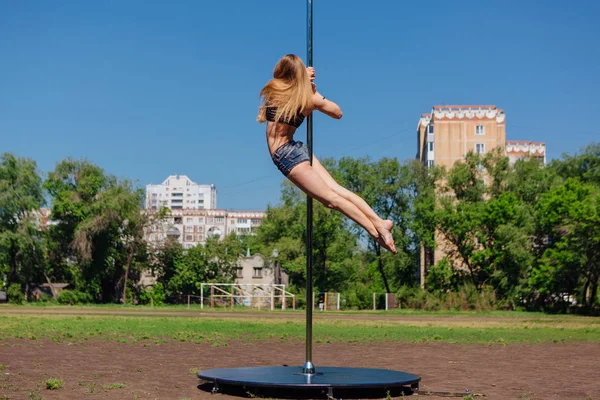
x=193 y=226
x=448 y=133
x=521 y=149
x=179 y=192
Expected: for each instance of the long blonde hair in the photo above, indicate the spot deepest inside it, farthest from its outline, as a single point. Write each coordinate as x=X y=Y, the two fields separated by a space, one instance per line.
x=289 y=90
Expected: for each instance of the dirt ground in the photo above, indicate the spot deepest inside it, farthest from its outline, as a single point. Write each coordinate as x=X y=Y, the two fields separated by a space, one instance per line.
x=111 y=370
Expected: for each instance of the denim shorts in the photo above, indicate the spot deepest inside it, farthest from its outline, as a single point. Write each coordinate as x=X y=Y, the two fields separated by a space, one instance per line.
x=289 y=155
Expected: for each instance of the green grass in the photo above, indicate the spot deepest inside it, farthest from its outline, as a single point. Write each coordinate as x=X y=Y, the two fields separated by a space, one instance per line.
x=497 y=330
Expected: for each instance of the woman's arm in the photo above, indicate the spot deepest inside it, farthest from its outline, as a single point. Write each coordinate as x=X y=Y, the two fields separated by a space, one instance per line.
x=327 y=107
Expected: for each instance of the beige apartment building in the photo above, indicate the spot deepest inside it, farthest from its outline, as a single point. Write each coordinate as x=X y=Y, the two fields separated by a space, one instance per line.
x=449 y=132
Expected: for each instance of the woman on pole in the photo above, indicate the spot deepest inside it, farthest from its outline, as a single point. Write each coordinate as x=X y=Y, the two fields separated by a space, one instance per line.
x=286 y=100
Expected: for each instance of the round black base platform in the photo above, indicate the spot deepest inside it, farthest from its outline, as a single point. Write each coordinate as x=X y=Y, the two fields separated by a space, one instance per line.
x=327 y=379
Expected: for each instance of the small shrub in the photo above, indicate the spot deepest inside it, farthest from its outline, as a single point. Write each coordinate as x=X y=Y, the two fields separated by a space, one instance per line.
x=54 y=383
x=15 y=294
x=73 y=297
x=156 y=294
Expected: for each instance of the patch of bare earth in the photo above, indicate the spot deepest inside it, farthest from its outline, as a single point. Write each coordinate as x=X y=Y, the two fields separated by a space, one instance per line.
x=110 y=370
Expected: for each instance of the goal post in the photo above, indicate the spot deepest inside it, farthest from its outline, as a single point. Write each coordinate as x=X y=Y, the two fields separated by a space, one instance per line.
x=251 y=295
x=385 y=301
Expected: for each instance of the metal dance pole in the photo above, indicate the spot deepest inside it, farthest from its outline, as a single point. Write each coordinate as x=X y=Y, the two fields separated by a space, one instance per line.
x=309 y=367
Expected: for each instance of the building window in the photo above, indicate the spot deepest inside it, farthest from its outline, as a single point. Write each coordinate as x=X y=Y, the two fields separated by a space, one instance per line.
x=189 y=220
x=243 y=230
x=201 y=220
x=257 y=272
x=255 y=221
x=239 y=272
x=189 y=238
x=480 y=130
x=430 y=128
x=430 y=163
x=430 y=146
x=232 y=222
x=480 y=148
x=210 y=220
x=242 y=221
x=219 y=220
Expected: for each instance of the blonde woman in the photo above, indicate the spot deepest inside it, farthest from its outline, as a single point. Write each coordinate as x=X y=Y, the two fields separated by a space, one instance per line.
x=286 y=100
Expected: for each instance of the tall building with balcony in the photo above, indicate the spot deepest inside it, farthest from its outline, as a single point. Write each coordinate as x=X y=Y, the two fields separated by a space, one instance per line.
x=178 y=192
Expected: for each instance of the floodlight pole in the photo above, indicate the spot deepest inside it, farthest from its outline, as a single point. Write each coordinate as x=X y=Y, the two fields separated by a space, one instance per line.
x=309 y=367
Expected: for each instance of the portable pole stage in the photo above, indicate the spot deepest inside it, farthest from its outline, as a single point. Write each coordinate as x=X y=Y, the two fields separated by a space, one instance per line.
x=287 y=381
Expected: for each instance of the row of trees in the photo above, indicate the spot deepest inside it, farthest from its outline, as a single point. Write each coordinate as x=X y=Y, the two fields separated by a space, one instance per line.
x=528 y=233
x=95 y=240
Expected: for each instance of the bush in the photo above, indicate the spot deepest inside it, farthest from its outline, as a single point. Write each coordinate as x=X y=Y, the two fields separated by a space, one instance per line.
x=14 y=294
x=73 y=297
x=154 y=294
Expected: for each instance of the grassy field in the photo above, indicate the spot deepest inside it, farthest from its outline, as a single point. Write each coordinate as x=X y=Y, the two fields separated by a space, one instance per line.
x=493 y=328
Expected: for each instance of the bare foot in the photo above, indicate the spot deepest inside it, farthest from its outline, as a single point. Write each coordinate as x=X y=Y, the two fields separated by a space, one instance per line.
x=385 y=235
x=383 y=244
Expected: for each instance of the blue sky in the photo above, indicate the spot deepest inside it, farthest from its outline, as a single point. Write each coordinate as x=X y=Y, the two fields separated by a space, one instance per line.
x=146 y=89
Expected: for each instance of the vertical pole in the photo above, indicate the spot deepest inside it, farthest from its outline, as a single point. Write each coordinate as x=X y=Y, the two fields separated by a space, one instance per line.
x=272 y=299
x=386 y=301
x=188 y=301
x=309 y=368
x=283 y=298
x=202 y=296
x=212 y=299
x=374 y=302
x=338 y=302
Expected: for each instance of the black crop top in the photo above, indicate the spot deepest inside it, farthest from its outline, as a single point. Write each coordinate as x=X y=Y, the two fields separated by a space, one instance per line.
x=296 y=121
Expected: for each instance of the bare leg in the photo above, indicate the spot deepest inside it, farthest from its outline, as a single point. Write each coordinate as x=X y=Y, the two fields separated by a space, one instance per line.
x=384 y=227
x=309 y=181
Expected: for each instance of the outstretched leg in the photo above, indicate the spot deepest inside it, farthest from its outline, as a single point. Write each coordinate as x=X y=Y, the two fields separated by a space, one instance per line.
x=384 y=227
x=309 y=181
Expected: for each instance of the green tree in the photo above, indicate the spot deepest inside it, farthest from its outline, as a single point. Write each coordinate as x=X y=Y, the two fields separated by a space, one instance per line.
x=489 y=229
x=284 y=229
x=570 y=215
x=216 y=261
x=584 y=165
x=22 y=244
x=387 y=186
x=99 y=227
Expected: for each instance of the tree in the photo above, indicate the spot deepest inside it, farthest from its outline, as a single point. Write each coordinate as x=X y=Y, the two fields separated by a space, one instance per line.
x=387 y=187
x=100 y=225
x=284 y=229
x=216 y=261
x=570 y=215
x=489 y=229
x=22 y=245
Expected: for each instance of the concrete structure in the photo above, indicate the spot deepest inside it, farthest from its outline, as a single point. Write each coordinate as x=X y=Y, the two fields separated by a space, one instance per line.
x=520 y=149
x=192 y=226
x=178 y=192
x=254 y=270
x=448 y=133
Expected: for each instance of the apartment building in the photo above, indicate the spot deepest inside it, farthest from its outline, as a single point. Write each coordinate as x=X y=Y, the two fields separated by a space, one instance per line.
x=179 y=192
x=192 y=226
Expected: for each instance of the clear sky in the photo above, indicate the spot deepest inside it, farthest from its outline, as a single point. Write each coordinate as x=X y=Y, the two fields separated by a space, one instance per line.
x=146 y=89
